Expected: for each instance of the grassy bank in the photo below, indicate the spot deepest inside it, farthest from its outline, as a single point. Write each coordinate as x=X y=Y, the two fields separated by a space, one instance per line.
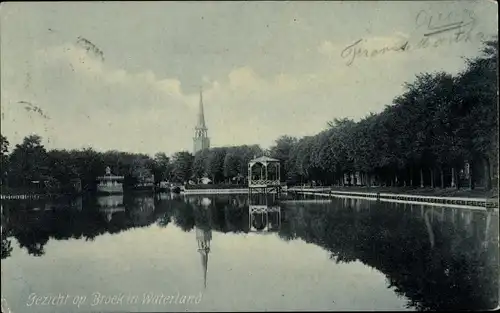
x=436 y=192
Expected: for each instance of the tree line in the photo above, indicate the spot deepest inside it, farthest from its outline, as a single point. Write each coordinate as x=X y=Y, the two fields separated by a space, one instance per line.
x=30 y=163
x=439 y=125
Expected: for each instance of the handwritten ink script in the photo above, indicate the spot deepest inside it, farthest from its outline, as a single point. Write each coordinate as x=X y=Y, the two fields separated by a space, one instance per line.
x=30 y=107
x=98 y=298
x=90 y=47
x=438 y=29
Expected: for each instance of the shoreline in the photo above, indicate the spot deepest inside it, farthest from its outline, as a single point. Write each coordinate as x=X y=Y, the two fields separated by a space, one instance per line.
x=433 y=192
x=373 y=193
x=464 y=202
x=22 y=197
x=214 y=191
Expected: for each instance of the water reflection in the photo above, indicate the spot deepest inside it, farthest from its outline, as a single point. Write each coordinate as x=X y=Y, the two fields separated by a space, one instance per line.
x=108 y=205
x=6 y=243
x=436 y=258
x=263 y=218
x=203 y=238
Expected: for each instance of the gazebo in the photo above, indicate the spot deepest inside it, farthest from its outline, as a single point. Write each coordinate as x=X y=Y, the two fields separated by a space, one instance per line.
x=264 y=174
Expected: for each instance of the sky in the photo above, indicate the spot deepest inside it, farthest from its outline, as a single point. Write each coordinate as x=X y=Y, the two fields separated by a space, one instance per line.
x=126 y=76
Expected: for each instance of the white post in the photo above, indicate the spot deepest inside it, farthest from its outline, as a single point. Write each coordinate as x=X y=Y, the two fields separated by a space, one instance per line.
x=249 y=174
x=279 y=172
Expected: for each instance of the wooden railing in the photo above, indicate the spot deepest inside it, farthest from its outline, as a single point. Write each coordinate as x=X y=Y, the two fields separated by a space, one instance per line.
x=266 y=182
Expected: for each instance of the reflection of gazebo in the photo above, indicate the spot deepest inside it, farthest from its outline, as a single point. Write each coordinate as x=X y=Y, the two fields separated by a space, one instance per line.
x=264 y=174
x=263 y=218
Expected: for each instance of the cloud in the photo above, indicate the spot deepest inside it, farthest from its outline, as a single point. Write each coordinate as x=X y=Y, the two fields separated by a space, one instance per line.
x=327 y=48
x=243 y=78
x=89 y=102
x=92 y=102
x=82 y=63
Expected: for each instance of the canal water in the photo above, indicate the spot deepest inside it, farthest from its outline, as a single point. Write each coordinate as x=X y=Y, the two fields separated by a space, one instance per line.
x=232 y=253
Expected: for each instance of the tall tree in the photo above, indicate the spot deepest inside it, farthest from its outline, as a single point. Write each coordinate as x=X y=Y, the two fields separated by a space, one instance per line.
x=477 y=94
x=28 y=162
x=282 y=152
x=215 y=164
x=182 y=166
x=4 y=150
x=232 y=164
x=200 y=163
x=161 y=166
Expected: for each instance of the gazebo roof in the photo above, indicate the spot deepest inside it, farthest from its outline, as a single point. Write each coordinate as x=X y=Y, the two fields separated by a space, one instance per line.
x=263 y=159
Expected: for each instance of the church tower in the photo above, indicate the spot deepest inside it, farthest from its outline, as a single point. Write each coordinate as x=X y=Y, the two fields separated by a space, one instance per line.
x=200 y=139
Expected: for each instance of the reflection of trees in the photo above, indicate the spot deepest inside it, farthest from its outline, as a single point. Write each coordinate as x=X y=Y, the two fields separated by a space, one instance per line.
x=183 y=215
x=6 y=247
x=203 y=217
x=455 y=272
x=141 y=210
x=227 y=213
x=459 y=270
x=236 y=219
x=34 y=228
x=164 y=212
x=6 y=244
x=164 y=219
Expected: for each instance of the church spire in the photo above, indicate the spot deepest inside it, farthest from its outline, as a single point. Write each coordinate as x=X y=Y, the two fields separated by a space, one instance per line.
x=200 y=139
x=201 y=113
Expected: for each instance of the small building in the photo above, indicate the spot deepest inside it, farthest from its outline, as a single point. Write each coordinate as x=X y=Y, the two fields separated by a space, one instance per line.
x=145 y=183
x=110 y=183
x=164 y=186
x=205 y=180
x=264 y=174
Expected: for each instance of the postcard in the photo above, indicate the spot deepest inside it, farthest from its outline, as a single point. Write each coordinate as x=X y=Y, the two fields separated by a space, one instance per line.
x=249 y=156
